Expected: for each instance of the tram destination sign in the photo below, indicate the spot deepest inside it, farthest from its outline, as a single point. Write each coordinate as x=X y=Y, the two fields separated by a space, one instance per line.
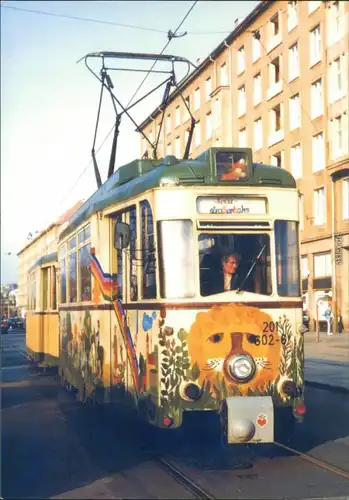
x=230 y=205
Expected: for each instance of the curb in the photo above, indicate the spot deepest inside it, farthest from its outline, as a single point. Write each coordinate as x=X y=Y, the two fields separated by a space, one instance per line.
x=327 y=387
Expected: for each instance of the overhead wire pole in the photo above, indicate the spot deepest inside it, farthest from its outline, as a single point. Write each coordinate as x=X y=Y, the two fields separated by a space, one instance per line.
x=171 y=35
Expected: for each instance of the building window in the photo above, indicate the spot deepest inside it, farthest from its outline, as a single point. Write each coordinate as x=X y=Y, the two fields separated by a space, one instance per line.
x=84 y=238
x=169 y=149
x=241 y=60
x=168 y=123
x=334 y=23
x=178 y=117
x=257 y=89
x=242 y=138
x=304 y=266
x=315 y=45
x=72 y=271
x=319 y=207
x=241 y=101
x=197 y=99
x=177 y=147
x=276 y=159
x=318 y=152
x=148 y=252
x=293 y=62
x=274 y=25
x=274 y=71
x=345 y=198
x=197 y=134
x=316 y=99
x=335 y=77
x=258 y=134
x=292 y=15
x=224 y=74
x=301 y=212
x=208 y=88
x=295 y=112
x=276 y=118
x=256 y=46
x=208 y=126
x=313 y=5
x=337 y=137
x=322 y=265
x=296 y=161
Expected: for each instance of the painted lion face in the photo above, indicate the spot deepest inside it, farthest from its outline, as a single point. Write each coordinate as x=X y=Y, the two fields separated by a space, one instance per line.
x=224 y=331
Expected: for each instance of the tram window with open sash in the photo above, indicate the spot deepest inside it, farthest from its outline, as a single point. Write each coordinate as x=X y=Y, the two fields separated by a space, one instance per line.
x=176 y=259
x=251 y=252
x=84 y=246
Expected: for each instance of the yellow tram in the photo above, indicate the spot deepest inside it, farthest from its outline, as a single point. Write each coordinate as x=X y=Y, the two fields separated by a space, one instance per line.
x=145 y=313
x=42 y=331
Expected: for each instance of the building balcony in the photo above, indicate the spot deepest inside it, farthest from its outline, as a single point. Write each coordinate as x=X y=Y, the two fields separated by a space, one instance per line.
x=276 y=137
x=274 y=42
x=274 y=90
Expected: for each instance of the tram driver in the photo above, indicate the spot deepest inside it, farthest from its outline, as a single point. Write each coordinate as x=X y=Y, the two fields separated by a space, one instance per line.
x=227 y=278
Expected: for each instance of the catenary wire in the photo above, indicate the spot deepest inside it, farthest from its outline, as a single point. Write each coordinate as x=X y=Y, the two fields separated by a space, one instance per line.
x=111 y=23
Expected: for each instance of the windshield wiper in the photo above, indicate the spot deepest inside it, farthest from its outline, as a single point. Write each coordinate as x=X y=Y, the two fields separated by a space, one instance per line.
x=251 y=268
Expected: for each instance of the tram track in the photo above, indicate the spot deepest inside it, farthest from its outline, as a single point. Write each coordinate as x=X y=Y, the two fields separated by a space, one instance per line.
x=315 y=461
x=184 y=480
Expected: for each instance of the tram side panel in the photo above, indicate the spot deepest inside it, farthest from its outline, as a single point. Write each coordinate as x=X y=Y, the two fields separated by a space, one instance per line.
x=33 y=336
x=51 y=339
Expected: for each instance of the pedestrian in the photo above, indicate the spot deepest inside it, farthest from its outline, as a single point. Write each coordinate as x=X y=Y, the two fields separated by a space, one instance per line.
x=328 y=315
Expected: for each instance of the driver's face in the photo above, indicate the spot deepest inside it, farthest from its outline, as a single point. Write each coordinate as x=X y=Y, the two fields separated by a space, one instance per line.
x=230 y=266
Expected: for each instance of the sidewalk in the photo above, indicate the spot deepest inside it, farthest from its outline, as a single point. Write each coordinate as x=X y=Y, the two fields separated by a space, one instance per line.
x=327 y=361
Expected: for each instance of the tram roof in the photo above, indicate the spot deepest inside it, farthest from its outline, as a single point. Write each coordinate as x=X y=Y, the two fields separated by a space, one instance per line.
x=140 y=176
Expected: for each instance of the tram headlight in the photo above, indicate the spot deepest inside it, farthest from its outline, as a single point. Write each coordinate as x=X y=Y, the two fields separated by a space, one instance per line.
x=242 y=367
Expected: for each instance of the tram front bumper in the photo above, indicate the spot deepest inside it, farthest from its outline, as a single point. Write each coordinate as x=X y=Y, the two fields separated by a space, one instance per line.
x=249 y=419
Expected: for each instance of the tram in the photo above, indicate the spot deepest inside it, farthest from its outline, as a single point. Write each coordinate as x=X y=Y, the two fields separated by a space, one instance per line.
x=42 y=332
x=179 y=291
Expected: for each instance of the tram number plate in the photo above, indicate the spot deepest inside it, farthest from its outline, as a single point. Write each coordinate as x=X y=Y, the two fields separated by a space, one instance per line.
x=269 y=336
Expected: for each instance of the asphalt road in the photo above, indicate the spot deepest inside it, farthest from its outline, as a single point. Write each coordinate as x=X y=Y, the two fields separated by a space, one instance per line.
x=54 y=447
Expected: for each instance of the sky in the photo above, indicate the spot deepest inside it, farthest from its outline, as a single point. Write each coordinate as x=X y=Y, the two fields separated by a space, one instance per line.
x=49 y=102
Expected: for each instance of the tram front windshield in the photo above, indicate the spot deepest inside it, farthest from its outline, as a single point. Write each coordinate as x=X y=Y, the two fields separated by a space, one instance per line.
x=234 y=262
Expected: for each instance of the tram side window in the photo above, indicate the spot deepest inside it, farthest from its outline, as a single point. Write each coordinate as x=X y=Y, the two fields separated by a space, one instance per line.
x=176 y=259
x=53 y=288
x=45 y=290
x=234 y=261
x=63 y=275
x=72 y=270
x=148 y=253
x=287 y=258
x=84 y=263
x=133 y=256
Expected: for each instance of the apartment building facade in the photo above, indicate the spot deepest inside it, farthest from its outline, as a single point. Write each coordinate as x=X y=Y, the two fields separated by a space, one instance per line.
x=279 y=84
x=44 y=243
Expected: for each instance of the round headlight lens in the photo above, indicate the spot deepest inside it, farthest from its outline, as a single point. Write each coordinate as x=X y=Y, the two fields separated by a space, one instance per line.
x=242 y=367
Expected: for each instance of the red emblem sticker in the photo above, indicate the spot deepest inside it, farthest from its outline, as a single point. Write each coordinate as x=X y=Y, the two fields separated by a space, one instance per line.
x=262 y=420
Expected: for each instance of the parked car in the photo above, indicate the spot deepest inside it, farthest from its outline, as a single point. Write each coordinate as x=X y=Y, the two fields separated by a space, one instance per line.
x=4 y=325
x=17 y=322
